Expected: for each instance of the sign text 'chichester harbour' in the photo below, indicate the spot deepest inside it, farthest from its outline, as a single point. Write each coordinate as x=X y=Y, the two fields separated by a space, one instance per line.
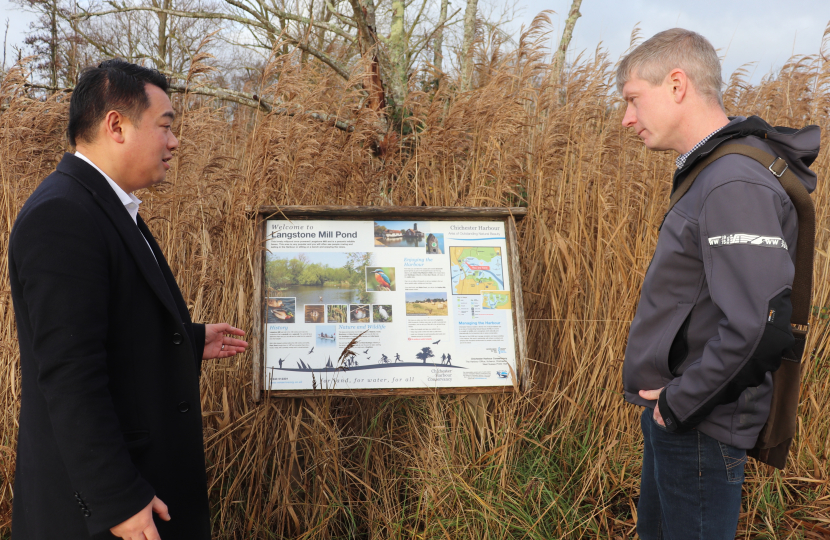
x=474 y=228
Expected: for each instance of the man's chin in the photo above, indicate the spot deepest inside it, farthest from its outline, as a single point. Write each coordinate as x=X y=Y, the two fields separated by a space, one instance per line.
x=155 y=184
x=654 y=146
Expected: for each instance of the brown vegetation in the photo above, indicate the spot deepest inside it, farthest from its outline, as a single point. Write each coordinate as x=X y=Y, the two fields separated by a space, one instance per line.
x=561 y=461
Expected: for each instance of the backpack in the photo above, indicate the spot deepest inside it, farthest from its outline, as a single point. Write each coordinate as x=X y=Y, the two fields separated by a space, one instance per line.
x=775 y=438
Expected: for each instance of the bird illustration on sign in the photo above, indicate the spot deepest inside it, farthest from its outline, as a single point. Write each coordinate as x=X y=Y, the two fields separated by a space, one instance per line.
x=359 y=313
x=382 y=313
x=380 y=278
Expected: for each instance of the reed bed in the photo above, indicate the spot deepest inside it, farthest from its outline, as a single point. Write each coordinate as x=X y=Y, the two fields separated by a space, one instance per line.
x=561 y=460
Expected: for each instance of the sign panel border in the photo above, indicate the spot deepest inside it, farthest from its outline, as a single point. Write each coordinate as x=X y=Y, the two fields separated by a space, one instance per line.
x=508 y=216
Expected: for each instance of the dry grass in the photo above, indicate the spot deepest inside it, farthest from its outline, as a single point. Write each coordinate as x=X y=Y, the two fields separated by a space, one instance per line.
x=559 y=462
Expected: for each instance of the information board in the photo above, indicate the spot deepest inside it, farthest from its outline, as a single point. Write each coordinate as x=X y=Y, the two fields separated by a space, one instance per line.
x=388 y=302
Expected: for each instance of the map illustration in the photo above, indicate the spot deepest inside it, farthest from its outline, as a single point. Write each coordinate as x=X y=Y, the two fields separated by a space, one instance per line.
x=495 y=299
x=476 y=269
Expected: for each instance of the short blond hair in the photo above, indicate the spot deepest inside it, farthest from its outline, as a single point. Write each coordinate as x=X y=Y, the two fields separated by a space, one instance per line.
x=654 y=59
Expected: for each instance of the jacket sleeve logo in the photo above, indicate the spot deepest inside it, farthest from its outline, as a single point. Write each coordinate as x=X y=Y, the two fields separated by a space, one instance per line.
x=748 y=239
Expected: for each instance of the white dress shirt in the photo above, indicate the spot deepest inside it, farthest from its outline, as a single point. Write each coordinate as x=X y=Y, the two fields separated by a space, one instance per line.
x=129 y=200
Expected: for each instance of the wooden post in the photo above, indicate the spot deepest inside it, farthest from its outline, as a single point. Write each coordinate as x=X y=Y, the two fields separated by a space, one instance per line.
x=520 y=328
x=257 y=347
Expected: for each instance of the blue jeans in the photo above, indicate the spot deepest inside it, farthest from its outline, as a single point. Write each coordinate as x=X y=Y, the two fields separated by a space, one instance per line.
x=690 y=487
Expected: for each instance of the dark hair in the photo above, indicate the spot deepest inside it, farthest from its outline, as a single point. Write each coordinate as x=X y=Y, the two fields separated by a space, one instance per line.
x=115 y=85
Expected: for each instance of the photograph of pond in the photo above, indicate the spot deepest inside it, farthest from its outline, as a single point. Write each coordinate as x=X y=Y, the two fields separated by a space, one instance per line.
x=280 y=310
x=318 y=278
x=400 y=234
x=337 y=313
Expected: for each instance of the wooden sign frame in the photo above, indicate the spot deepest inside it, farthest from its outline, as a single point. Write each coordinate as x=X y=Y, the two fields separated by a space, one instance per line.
x=509 y=216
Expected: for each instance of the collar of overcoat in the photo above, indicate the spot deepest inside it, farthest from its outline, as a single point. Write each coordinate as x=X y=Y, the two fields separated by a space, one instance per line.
x=155 y=271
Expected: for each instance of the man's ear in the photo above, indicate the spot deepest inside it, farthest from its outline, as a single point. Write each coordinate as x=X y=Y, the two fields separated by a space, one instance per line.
x=679 y=83
x=114 y=126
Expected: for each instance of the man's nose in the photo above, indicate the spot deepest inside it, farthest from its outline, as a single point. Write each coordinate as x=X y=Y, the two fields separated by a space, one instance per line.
x=173 y=143
x=630 y=118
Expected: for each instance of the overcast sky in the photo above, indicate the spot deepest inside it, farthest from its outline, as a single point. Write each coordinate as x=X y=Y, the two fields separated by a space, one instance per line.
x=766 y=32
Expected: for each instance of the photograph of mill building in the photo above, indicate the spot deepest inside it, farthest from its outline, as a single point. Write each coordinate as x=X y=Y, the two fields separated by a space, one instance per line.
x=399 y=234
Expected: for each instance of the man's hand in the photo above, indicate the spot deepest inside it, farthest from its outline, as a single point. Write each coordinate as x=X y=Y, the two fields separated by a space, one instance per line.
x=219 y=345
x=141 y=526
x=652 y=395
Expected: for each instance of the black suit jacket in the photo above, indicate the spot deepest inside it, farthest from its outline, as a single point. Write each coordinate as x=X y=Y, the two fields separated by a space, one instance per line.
x=110 y=363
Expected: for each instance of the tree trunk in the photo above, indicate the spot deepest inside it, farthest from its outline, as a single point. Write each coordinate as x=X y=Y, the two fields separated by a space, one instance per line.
x=72 y=67
x=397 y=53
x=438 y=42
x=321 y=34
x=53 y=42
x=5 y=38
x=559 y=57
x=467 y=45
x=364 y=17
x=304 y=54
x=161 y=50
x=272 y=37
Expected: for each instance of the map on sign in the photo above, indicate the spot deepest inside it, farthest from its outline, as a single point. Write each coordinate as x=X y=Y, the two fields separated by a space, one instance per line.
x=495 y=299
x=476 y=269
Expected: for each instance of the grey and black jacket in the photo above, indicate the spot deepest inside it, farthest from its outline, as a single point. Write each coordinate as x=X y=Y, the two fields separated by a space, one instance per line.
x=714 y=314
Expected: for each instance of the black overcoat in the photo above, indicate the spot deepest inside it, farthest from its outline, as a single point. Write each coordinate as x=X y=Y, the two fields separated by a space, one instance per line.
x=110 y=363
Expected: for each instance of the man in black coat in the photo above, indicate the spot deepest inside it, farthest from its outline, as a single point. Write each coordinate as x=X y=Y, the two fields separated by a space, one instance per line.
x=110 y=422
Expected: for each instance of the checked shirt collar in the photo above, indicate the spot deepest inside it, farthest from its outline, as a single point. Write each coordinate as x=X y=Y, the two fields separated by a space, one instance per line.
x=681 y=160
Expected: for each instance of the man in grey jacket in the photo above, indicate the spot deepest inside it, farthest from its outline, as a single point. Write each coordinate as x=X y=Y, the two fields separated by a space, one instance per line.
x=714 y=313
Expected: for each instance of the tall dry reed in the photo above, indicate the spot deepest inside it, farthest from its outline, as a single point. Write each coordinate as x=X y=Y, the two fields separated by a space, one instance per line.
x=561 y=461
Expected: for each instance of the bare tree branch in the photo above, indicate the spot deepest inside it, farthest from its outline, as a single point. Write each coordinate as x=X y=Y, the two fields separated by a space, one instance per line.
x=241 y=98
x=342 y=18
x=86 y=15
x=47 y=87
x=320 y=55
x=254 y=101
x=297 y=18
x=259 y=22
x=437 y=33
x=416 y=21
